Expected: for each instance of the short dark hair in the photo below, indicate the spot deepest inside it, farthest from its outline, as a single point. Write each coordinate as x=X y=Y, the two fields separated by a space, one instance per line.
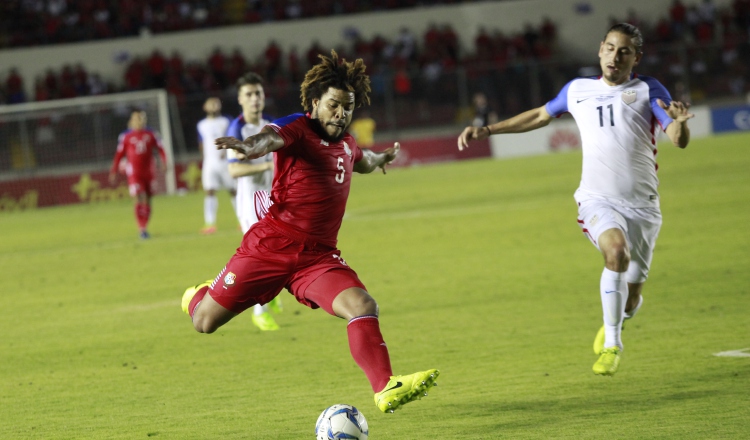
x=339 y=74
x=631 y=31
x=249 y=78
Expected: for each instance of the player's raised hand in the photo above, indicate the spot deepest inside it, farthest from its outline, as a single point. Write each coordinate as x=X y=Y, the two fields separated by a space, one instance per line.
x=390 y=155
x=472 y=134
x=676 y=110
x=229 y=142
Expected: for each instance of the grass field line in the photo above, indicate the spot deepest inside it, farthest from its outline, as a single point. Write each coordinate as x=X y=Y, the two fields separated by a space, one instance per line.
x=115 y=244
x=454 y=211
x=145 y=307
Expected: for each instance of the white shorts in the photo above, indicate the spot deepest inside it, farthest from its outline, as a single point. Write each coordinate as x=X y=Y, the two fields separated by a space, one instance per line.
x=250 y=215
x=640 y=226
x=216 y=176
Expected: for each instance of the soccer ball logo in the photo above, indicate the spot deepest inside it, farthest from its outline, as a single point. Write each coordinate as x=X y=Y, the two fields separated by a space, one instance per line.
x=341 y=421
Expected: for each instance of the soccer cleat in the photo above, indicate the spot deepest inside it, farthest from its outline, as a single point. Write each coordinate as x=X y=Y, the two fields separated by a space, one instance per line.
x=190 y=293
x=208 y=230
x=401 y=390
x=144 y=235
x=599 y=339
x=275 y=305
x=265 y=322
x=608 y=362
x=599 y=342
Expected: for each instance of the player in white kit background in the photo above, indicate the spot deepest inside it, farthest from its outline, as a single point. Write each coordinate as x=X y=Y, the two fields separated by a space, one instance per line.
x=618 y=203
x=214 y=172
x=252 y=175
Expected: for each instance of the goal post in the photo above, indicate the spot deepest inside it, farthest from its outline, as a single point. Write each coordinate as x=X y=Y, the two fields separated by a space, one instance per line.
x=77 y=136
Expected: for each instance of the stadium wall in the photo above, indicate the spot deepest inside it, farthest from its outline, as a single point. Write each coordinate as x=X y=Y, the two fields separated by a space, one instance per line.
x=580 y=25
x=93 y=187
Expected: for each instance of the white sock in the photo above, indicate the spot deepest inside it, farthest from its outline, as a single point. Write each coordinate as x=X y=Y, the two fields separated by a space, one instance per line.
x=632 y=313
x=614 y=291
x=210 y=206
x=234 y=203
x=260 y=309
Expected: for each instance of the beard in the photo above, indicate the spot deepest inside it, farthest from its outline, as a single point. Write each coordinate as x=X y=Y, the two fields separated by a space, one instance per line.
x=320 y=130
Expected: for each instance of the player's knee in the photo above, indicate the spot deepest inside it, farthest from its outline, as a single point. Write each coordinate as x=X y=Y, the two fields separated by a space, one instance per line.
x=617 y=257
x=203 y=324
x=352 y=303
x=368 y=305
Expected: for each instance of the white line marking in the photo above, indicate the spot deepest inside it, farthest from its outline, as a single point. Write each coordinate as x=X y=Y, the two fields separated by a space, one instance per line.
x=741 y=353
x=144 y=307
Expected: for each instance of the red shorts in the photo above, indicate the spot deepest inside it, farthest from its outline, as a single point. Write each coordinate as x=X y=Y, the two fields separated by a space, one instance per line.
x=268 y=261
x=141 y=183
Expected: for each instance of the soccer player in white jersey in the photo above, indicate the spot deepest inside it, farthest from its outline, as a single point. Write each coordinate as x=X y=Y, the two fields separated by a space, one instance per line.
x=618 y=202
x=252 y=175
x=214 y=173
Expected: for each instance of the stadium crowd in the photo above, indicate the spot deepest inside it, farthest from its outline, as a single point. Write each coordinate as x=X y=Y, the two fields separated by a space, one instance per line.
x=716 y=42
x=39 y=22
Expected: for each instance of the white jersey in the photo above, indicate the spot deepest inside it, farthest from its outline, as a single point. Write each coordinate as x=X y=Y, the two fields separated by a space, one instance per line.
x=248 y=185
x=209 y=129
x=617 y=125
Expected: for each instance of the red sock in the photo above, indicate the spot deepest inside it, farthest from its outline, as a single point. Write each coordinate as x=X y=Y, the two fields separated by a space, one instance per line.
x=369 y=350
x=198 y=297
x=142 y=213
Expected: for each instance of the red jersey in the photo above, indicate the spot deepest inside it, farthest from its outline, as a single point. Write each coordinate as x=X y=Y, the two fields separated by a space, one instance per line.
x=311 y=179
x=138 y=146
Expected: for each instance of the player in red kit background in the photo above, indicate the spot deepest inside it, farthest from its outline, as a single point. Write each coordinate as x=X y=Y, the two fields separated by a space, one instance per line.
x=294 y=245
x=137 y=145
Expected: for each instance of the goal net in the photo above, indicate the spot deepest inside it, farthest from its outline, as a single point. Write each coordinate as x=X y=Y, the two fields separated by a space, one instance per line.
x=58 y=152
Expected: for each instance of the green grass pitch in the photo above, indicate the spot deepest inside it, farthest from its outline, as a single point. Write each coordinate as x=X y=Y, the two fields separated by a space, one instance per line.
x=480 y=270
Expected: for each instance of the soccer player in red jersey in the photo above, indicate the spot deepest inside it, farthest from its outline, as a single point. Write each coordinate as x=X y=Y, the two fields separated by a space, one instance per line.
x=294 y=245
x=137 y=145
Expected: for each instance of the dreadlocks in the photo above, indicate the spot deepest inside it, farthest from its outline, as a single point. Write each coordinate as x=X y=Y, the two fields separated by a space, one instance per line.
x=339 y=74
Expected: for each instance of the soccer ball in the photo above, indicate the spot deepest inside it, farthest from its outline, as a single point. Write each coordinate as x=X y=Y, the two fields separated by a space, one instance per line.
x=341 y=421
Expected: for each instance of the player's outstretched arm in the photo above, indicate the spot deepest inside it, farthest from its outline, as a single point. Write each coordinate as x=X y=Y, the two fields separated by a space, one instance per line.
x=241 y=169
x=677 y=131
x=526 y=121
x=253 y=147
x=371 y=160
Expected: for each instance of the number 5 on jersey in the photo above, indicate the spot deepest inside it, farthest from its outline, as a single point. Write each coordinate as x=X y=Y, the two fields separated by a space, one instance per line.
x=340 y=167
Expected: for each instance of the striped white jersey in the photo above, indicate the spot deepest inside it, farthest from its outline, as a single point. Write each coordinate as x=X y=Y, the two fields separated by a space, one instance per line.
x=209 y=129
x=618 y=137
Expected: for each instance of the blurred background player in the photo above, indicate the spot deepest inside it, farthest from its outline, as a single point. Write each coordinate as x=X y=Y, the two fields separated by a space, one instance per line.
x=252 y=175
x=214 y=172
x=483 y=113
x=294 y=245
x=137 y=145
x=363 y=129
x=618 y=202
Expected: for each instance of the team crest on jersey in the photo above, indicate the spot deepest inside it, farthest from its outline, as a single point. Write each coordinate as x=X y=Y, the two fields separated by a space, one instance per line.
x=229 y=279
x=347 y=150
x=628 y=96
x=322 y=142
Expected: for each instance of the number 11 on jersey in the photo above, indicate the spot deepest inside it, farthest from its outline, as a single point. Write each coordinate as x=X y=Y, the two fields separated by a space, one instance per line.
x=611 y=116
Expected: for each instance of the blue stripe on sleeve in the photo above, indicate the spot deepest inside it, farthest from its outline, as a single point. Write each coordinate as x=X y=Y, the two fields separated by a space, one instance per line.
x=286 y=120
x=235 y=128
x=657 y=91
x=559 y=104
